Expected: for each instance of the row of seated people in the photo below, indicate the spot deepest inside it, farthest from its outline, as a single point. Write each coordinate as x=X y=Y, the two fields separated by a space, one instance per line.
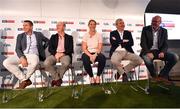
x=31 y=45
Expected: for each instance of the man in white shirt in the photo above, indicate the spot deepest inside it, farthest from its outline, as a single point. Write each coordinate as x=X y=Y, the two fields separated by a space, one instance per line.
x=121 y=49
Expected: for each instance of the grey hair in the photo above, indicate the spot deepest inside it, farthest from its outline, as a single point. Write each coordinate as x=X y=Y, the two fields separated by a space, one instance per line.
x=118 y=20
x=60 y=23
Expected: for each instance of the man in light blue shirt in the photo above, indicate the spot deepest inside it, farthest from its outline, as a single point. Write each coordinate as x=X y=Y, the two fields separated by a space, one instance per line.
x=30 y=48
x=31 y=44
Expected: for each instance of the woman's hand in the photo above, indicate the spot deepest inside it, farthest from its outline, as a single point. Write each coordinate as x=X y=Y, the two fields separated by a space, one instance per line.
x=93 y=58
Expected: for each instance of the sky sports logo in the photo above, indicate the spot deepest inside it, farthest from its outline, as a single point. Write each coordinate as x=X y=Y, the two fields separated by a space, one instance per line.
x=7 y=37
x=8 y=21
x=7 y=53
x=68 y=22
x=106 y=30
x=169 y=25
x=39 y=22
x=140 y=25
x=81 y=30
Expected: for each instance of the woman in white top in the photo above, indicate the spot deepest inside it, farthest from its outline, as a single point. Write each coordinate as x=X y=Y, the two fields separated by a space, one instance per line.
x=92 y=46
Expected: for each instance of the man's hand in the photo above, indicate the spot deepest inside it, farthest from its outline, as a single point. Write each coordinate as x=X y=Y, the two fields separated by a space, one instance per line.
x=150 y=55
x=23 y=62
x=58 y=55
x=161 y=55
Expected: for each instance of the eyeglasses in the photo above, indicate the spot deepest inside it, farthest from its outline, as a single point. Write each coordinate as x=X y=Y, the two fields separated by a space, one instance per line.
x=156 y=21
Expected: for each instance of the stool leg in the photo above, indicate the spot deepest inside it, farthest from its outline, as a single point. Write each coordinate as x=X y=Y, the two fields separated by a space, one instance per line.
x=112 y=88
x=35 y=79
x=132 y=76
x=69 y=76
x=41 y=79
x=146 y=89
x=4 y=96
x=41 y=93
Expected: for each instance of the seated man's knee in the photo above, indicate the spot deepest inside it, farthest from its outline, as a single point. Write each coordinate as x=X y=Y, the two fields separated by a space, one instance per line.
x=114 y=60
x=35 y=63
x=47 y=63
x=176 y=57
x=172 y=57
x=66 y=64
x=5 y=63
x=139 y=61
x=66 y=61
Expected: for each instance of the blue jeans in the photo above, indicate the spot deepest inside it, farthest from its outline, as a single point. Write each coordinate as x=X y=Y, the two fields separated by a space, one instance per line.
x=170 y=60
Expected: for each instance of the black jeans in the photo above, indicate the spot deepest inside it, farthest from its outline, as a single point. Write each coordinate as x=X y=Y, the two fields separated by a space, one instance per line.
x=101 y=59
x=169 y=58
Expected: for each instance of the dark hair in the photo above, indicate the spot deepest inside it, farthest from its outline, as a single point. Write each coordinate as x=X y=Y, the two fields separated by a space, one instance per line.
x=28 y=21
x=92 y=21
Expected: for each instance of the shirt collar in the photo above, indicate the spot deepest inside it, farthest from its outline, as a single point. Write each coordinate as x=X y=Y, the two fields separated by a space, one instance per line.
x=155 y=30
x=30 y=35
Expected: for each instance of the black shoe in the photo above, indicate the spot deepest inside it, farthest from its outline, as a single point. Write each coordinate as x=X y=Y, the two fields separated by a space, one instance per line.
x=93 y=84
x=116 y=76
x=124 y=77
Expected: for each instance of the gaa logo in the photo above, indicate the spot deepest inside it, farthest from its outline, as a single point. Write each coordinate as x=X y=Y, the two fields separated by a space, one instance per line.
x=53 y=22
x=20 y=29
x=106 y=24
x=7 y=29
x=52 y=29
x=82 y=23
x=129 y=24
x=68 y=29
x=38 y=29
x=6 y=45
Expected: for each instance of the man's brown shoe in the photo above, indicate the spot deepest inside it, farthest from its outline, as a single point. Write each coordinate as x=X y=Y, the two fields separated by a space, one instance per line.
x=161 y=79
x=24 y=84
x=165 y=81
x=56 y=83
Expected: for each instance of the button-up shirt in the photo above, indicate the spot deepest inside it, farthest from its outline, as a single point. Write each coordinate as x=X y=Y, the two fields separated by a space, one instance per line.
x=155 y=40
x=60 y=47
x=31 y=47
